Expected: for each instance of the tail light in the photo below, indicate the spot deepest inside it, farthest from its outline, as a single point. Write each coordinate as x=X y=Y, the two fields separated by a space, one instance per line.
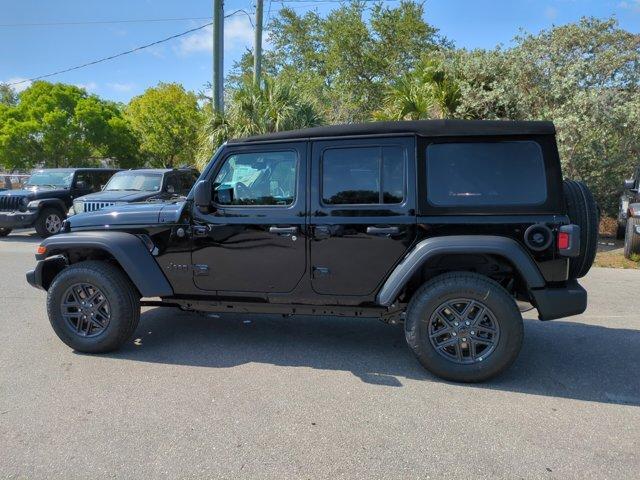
x=568 y=240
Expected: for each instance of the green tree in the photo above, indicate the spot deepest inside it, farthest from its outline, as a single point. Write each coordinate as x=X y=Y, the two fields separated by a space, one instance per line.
x=273 y=106
x=7 y=95
x=426 y=92
x=61 y=125
x=166 y=120
x=584 y=76
x=344 y=62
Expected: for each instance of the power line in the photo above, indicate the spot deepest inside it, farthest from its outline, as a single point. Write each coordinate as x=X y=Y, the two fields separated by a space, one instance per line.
x=111 y=57
x=102 y=22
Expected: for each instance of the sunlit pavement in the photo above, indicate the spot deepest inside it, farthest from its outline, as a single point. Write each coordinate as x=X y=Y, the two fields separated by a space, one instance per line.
x=267 y=397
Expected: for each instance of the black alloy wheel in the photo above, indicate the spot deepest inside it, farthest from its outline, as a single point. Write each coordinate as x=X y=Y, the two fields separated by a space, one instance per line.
x=86 y=310
x=464 y=331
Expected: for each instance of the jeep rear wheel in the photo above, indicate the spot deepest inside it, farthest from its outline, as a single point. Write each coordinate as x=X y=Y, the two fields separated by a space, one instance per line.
x=464 y=327
x=632 y=238
x=4 y=232
x=583 y=211
x=49 y=222
x=93 y=307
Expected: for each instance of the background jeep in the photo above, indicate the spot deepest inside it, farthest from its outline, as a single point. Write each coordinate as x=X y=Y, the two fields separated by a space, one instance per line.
x=46 y=197
x=138 y=186
x=629 y=196
x=426 y=223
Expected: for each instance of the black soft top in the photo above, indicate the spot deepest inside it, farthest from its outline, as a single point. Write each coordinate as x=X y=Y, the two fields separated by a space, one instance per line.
x=426 y=128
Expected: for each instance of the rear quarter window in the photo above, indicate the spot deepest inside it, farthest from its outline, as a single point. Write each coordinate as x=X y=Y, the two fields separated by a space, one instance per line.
x=485 y=174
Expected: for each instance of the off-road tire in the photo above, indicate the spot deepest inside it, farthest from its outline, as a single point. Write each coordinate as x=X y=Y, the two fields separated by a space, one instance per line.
x=4 y=232
x=632 y=238
x=41 y=223
x=123 y=298
x=456 y=285
x=583 y=211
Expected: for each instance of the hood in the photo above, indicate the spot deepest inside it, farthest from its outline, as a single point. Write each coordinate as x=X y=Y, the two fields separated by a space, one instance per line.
x=117 y=196
x=141 y=214
x=33 y=192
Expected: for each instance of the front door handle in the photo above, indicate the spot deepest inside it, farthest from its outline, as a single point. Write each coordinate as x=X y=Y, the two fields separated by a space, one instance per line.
x=283 y=230
x=383 y=230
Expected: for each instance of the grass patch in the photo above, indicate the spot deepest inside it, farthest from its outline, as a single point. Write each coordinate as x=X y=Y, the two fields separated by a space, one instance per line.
x=616 y=260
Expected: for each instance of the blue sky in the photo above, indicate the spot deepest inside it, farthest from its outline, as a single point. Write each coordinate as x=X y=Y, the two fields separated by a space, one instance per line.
x=28 y=51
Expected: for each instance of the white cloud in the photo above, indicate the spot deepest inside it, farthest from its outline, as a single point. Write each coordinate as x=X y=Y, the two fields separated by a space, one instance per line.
x=238 y=34
x=20 y=86
x=121 y=87
x=633 y=5
x=89 y=86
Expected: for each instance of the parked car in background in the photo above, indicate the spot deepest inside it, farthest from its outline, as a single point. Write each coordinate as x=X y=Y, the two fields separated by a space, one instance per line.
x=46 y=197
x=629 y=195
x=142 y=185
x=629 y=215
x=425 y=222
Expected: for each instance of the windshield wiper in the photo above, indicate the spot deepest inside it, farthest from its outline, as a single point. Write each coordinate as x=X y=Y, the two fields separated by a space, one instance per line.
x=43 y=185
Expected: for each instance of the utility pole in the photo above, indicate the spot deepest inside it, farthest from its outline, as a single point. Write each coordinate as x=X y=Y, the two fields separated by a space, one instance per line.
x=257 y=49
x=218 y=55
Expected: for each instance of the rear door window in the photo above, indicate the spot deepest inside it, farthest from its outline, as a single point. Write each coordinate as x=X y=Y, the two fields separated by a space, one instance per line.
x=485 y=174
x=363 y=175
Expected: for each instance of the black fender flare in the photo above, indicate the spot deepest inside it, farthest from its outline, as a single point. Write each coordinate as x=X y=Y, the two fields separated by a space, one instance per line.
x=128 y=250
x=51 y=202
x=459 y=244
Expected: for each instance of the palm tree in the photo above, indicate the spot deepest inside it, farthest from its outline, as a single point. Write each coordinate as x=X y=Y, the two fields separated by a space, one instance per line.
x=427 y=92
x=273 y=106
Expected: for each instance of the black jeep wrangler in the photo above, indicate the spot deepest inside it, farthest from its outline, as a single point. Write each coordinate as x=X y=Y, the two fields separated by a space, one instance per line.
x=426 y=222
x=46 y=197
x=141 y=185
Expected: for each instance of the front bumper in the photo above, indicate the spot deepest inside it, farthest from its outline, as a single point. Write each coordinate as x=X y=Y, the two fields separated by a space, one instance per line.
x=34 y=277
x=559 y=302
x=18 y=219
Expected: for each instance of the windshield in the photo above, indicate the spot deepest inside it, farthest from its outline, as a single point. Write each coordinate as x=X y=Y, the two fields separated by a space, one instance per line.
x=50 y=178
x=136 y=181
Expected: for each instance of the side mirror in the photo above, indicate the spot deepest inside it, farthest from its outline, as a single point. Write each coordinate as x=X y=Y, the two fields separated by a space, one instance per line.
x=81 y=185
x=629 y=184
x=202 y=196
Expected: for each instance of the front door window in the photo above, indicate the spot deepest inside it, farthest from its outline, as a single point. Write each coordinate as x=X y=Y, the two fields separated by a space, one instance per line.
x=257 y=179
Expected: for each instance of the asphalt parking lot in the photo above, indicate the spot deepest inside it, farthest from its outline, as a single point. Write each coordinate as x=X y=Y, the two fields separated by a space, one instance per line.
x=267 y=397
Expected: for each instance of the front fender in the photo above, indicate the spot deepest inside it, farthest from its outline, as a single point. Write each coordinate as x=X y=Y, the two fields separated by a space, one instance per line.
x=128 y=250
x=459 y=244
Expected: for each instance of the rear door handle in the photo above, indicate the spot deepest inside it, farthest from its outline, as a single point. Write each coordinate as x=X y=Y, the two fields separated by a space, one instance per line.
x=383 y=230
x=283 y=230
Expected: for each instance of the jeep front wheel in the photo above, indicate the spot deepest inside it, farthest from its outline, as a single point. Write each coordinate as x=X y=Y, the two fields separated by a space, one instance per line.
x=632 y=238
x=464 y=327
x=4 y=231
x=93 y=307
x=49 y=222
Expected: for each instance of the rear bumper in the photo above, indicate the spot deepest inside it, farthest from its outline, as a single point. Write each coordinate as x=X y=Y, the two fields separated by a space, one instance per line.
x=559 y=302
x=18 y=219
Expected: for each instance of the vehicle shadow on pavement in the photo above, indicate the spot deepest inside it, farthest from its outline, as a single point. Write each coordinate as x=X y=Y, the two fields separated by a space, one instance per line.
x=21 y=237
x=558 y=359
